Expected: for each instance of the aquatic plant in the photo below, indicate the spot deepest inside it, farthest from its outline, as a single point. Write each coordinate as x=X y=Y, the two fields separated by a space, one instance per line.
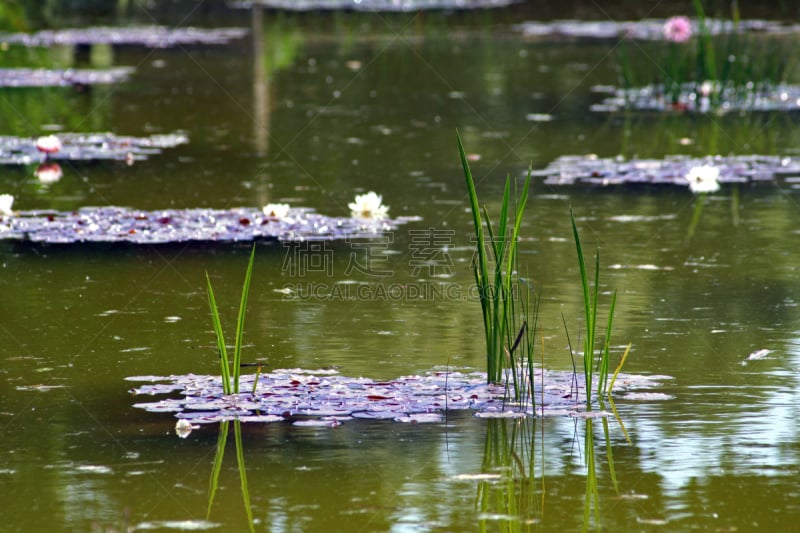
x=678 y=29
x=49 y=144
x=590 y=296
x=703 y=179
x=368 y=206
x=507 y=320
x=121 y=224
x=237 y=346
x=704 y=74
x=276 y=210
x=6 y=202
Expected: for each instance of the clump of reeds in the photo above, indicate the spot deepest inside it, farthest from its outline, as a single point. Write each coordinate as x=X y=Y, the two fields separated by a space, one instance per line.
x=509 y=318
x=224 y=361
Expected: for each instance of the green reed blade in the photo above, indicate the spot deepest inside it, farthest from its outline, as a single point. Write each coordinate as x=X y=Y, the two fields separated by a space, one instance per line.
x=215 y=470
x=237 y=353
x=523 y=200
x=476 y=214
x=501 y=236
x=602 y=375
x=223 y=351
x=588 y=310
x=617 y=370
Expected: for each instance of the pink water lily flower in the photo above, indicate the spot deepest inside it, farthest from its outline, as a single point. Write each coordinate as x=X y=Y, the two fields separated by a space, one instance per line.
x=678 y=29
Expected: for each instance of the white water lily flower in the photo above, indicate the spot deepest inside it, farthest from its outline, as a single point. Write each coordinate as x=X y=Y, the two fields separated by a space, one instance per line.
x=276 y=210
x=49 y=144
x=368 y=206
x=6 y=201
x=703 y=179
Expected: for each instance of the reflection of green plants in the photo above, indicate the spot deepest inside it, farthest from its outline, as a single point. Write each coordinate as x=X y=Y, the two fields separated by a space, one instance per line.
x=12 y=16
x=216 y=469
x=237 y=347
x=506 y=316
x=509 y=462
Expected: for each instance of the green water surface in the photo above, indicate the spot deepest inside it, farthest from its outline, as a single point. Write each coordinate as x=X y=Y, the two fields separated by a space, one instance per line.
x=312 y=109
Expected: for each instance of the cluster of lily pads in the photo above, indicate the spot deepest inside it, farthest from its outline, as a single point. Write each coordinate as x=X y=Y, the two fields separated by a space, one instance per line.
x=124 y=225
x=374 y=5
x=700 y=174
x=706 y=97
x=325 y=398
x=85 y=147
x=149 y=36
x=648 y=29
x=37 y=77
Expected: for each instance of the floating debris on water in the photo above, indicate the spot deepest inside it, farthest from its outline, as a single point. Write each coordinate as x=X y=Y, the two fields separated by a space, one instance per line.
x=39 y=77
x=149 y=36
x=757 y=355
x=374 y=5
x=704 y=97
x=85 y=147
x=183 y=428
x=647 y=29
x=672 y=170
x=125 y=225
x=326 y=399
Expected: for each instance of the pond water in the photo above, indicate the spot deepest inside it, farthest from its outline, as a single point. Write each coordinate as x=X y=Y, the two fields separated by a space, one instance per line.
x=311 y=109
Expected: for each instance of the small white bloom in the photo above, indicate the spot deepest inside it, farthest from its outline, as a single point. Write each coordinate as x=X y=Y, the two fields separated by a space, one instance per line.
x=49 y=144
x=706 y=88
x=183 y=428
x=368 y=206
x=6 y=201
x=703 y=179
x=276 y=210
